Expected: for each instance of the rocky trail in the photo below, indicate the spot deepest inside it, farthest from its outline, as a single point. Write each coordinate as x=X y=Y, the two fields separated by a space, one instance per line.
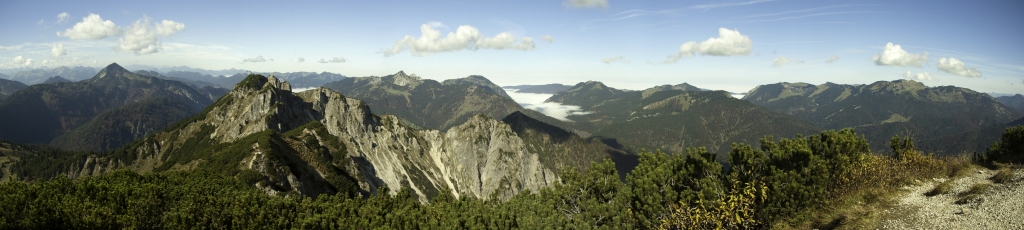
x=1000 y=206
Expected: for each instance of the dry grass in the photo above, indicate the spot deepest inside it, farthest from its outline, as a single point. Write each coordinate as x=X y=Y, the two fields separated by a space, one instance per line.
x=973 y=193
x=941 y=188
x=1003 y=175
x=876 y=185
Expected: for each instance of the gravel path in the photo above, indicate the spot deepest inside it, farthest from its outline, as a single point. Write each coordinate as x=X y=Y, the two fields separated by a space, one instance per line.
x=1001 y=207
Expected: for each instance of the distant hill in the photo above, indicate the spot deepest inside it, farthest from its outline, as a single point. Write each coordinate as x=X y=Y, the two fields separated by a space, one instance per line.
x=884 y=109
x=1016 y=102
x=433 y=105
x=8 y=87
x=541 y=89
x=38 y=76
x=672 y=119
x=56 y=79
x=39 y=113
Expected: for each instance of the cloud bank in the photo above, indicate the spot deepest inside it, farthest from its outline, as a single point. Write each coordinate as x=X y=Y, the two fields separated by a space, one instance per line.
x=58 y=50
x=535 y=101
x=894 y=55
x=954 y=66
x=300 y=60
x=728 y=43
x=781 y=60
x=619 y=58
x=254 y=59
x=548 y=38
x=587 y=3
x=464 y=38
x=832 y=59
x=333 y=60
x=922 y=76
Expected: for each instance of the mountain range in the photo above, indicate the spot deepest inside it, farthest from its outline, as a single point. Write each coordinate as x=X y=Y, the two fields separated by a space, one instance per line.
x=8 y=87
x=321 y=142
x=886 y=108
x=673 y=118
x=42 y=112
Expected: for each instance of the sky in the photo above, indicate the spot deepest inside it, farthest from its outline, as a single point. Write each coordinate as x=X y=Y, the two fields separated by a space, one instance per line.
x=731 y=45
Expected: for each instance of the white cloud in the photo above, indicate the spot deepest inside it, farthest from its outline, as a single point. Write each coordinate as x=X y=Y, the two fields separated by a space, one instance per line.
x=300 y=60
x=141 y=37
x=58 y=50
x=832 y=59
x=21 y=61
x=619 y=58
x=536 y=102
x=548 y=38
x=41 y=22
x=464 y=37
x=437 y=25
x=333 y=60
x=63 y=17
x=923 y=76
x=728 y=43
x=706 y=7
x=954 y=66
x=894 y=55
x=587 y=3
x=255 y=59
x=781 y=60
x=91 y=27
x=3 y=48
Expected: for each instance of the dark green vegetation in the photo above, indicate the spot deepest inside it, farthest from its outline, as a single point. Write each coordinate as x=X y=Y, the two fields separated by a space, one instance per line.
x=40 y=113
x=946 y=119
x=559 y=149
x=788 y=182
x=430 y=104
x=117 y=127
x=8 y=87
x=673 y=118
x=541 y=89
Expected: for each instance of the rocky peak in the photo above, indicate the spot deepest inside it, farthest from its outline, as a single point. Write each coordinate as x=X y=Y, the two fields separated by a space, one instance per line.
x=112 y=70
x=479 y=81
x=402 y=79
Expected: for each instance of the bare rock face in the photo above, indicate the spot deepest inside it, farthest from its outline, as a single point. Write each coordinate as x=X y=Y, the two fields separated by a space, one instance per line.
x=314 y=141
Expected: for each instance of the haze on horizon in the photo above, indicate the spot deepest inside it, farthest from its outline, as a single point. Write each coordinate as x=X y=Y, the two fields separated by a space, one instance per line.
x=730 y=45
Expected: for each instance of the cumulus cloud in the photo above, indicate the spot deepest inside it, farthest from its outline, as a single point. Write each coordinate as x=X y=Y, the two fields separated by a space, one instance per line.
x=922 y=76
x=255 y=59
x=142 y=36
x=728 y=43
x=91 y=27
x=619 y=58
x=894 y=55
x=21 y=61
x=300 y=60
x=548 y=38
x=587 y=3
x=955 y=66
x=63 y=17
x=781 y=60
x=464 y=38
x=333 y=60
x=832 y=59
x=58 y=50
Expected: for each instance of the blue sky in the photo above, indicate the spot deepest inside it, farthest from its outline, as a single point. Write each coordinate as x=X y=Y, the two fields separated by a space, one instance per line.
x=736 y=44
